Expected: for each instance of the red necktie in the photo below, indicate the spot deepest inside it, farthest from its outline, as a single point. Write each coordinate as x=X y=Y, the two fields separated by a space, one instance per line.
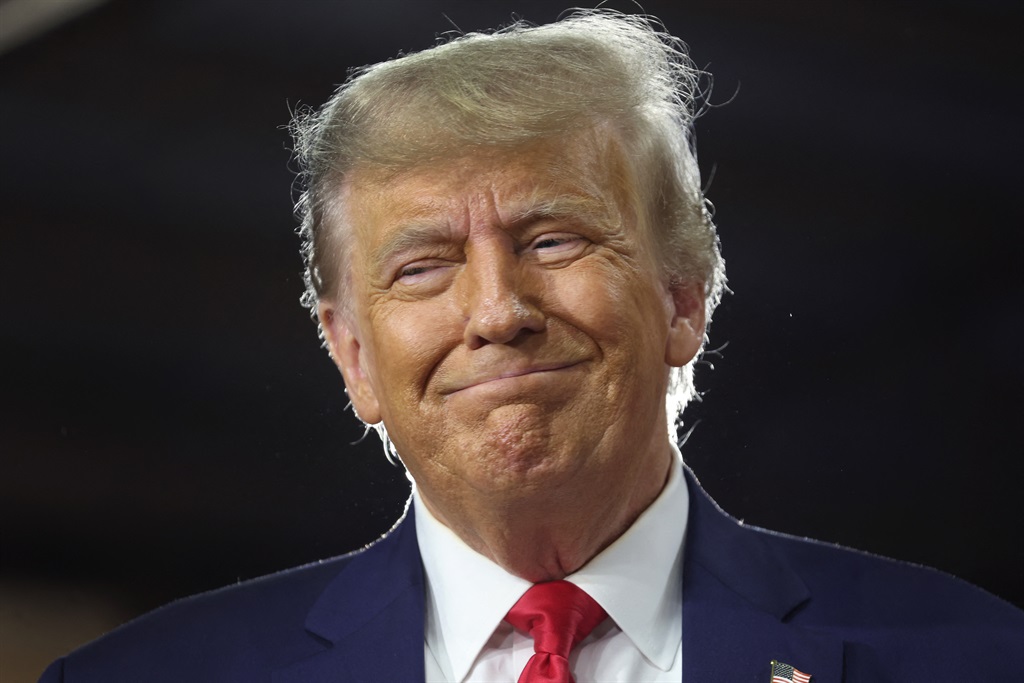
x=558 y=615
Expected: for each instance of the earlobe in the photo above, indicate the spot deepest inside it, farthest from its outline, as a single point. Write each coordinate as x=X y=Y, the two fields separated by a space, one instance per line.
x=347 y=353
x=686 y=329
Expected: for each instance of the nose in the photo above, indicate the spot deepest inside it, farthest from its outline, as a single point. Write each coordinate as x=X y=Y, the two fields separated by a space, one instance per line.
x=498 y=305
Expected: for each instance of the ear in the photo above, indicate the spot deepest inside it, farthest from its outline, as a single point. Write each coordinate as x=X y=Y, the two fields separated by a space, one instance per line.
x=347 y=353
x=686 y=329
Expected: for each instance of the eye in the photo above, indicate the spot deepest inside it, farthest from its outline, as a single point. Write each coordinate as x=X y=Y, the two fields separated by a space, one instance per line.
x=412 y=271
x=555 y=242
x=420 y=272
x=557 y=247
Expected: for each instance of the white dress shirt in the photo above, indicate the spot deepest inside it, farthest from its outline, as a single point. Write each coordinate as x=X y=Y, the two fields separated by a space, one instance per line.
x=637 y=580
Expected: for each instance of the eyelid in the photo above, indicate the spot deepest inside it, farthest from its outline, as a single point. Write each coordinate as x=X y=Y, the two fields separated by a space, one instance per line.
x=426 y=266
x=403 y=271
x=563 y=235
x=419 y=264
x=564 y=238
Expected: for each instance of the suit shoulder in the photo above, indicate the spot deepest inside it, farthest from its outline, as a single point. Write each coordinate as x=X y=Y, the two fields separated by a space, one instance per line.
x=228 y=634
x=898 y=605
x=833 y=583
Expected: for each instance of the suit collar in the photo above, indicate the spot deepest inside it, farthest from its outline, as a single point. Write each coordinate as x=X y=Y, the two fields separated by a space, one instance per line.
x=370 y=617
x=741 y=602
x=739 y=557
x=740 y=596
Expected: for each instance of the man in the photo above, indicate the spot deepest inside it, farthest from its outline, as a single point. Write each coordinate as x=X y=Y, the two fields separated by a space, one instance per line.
x=512 y=265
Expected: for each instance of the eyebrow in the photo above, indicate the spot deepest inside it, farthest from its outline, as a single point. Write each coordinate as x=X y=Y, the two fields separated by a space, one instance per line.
x=426 y=233
x=564 y=206
x=407 y=238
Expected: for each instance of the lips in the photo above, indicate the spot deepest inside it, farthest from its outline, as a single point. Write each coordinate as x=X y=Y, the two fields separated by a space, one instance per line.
x=496 y=374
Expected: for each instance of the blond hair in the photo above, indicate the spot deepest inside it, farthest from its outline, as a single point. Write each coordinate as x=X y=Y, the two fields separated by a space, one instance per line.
x=506 y=89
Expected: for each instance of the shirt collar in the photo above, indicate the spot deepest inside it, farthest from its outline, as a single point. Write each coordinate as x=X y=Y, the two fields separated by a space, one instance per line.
x=468 y=594
x=637 y=580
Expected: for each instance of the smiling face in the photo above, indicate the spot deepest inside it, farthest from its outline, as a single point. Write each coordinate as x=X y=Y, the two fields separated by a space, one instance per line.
x=509 y=324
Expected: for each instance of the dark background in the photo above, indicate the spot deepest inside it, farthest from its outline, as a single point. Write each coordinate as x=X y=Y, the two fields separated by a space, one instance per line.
x=170 y=424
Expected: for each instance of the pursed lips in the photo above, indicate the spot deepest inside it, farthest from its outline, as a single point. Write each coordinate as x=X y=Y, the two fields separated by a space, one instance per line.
x=495 y=375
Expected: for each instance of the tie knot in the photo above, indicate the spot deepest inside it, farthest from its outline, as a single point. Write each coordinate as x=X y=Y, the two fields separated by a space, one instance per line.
x=557 y=614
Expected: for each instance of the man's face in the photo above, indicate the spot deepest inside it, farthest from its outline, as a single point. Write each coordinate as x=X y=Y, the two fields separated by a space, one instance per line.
x=509 y=325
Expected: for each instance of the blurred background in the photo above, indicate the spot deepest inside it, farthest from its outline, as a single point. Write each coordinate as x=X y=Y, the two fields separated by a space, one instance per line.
x=170 y=424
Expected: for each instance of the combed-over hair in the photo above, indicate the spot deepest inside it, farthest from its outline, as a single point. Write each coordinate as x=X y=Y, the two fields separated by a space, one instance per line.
x=506 y=89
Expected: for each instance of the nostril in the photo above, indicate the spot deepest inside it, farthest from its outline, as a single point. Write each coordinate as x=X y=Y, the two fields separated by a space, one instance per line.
x=495 y=322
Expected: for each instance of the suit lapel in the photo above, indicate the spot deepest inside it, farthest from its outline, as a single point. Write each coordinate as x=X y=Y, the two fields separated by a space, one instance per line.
x=739 y=594
x=370 y=617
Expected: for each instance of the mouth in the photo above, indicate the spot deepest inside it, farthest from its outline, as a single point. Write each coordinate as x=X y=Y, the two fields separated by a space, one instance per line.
x=493 y=377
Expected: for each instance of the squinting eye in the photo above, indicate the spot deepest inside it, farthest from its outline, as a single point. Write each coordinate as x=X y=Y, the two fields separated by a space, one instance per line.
x=421 y=273
x=414 y=270
x=555 y=241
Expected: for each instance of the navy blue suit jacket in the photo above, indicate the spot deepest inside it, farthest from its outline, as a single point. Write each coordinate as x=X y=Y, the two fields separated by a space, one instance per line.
x=749 y=596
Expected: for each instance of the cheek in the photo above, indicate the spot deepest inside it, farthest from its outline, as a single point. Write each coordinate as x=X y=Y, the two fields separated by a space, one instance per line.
x=411 y=339
x=612 y=304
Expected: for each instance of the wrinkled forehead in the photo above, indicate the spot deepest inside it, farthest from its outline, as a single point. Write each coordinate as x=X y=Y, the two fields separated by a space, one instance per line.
x=580 y=176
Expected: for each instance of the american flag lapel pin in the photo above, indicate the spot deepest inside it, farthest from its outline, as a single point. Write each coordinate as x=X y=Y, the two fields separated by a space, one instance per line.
x=785 y=673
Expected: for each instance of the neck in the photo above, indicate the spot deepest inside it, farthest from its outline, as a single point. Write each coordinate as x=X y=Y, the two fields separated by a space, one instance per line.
x=539 y=536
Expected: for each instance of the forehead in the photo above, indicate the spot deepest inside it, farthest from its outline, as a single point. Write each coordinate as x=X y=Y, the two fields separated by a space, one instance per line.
x=558 y=177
